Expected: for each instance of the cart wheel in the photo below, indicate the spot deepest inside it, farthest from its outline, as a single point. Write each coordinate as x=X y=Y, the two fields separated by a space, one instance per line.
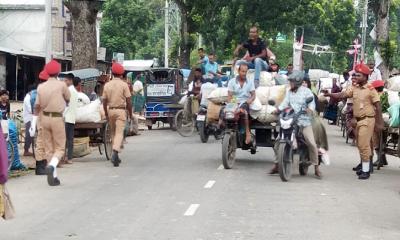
x=11 y=154
x=229 y=150
x=285 y=160
x=184 y=125
x=107 y=141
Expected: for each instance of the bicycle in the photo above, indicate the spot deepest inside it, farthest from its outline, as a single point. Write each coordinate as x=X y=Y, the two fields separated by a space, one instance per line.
x=185 y=119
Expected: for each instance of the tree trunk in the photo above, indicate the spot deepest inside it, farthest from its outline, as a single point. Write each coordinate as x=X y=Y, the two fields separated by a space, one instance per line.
x=382 y=30
x=84 y=41
x=185 y=46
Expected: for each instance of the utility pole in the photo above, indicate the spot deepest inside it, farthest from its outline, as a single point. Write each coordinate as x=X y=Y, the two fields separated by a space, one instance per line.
x=364 y=30
x=48 y=42
x=166 y=37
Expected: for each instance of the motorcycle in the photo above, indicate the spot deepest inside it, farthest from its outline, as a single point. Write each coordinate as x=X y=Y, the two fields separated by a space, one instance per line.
x=234 y=136
x=205 y=127
x=292 y=142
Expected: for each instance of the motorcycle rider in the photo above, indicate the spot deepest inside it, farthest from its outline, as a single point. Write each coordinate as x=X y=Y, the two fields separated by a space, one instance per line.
x=296 y=99
x=243 y=91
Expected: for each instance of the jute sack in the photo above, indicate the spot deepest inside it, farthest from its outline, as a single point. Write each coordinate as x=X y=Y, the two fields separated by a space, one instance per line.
x=213 y=111
x=8 y=212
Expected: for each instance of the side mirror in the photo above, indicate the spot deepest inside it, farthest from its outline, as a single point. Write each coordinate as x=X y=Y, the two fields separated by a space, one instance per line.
x=309 y=100
x=271 y=102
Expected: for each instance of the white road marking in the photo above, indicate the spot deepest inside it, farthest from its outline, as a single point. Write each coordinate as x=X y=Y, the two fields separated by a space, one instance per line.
x=220 y=167
x=191 y=210
x=209 y=184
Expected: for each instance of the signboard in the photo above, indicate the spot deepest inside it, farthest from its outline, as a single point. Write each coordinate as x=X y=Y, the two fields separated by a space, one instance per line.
x=160 y=90
x=119 y=57
x=101 y=53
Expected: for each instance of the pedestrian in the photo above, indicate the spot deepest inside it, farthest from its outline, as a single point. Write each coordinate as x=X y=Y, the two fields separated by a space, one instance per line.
x=374 y=72
x=29 y=104
x=53 y=96
x=368 y=115
x=203 y=60
x=257 y=54
x=116 y=102
x=40 y=152
x=332 y=109
x=4 y=105
x=70 y=116
x=212 y=73
x=3 y=169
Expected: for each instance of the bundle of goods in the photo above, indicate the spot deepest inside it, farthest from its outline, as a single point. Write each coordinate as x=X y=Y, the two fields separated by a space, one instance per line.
x=81 y=147
x=393 y=84
x=264 y=113
x=266 y=79
x=216 y=98
x=83 y=99
x=90 y=112
x=316 y=74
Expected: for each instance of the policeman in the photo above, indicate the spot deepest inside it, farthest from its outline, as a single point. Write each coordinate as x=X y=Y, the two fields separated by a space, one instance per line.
x=40 y=155
x=367 y=109
x=52 y=98
x=116 y=102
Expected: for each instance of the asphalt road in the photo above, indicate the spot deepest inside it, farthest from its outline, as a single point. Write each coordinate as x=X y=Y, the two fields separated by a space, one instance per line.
x=169 y=187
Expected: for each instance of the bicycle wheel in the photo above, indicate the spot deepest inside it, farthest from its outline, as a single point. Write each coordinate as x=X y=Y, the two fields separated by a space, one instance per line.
x=185 y=124
x=11 y=154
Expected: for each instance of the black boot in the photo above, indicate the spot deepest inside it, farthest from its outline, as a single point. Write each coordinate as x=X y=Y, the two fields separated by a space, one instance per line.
x=371 y=165
x=357 y=168
x=41 y=167
x=363 y=175
x=115 y=159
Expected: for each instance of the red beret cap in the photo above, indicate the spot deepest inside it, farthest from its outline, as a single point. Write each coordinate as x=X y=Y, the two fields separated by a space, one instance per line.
x=117 y=69
x=362 y=68
x=53 y=67
x=378 y=83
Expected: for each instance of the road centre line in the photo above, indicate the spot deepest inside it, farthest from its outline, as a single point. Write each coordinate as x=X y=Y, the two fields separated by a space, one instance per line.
x=209 y=184
x=191 y=210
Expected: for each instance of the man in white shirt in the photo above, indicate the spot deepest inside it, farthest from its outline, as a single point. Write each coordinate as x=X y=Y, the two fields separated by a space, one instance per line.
x=375 y=73
x=29 y=102
x=70 y=115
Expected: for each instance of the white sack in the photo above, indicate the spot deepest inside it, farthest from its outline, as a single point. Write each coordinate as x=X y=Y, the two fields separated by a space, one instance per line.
x=266 y=114
x=256 y=105
x=83 y=99
x=277 y=93
x=183 y=100
x=219 y=95
x=89 y=113
x=393 y=84
x=262 y=94
x=205 y=91
x=393 y=98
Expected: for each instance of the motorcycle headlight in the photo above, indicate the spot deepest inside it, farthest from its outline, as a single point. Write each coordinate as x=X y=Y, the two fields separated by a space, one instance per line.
x=229 y=115
x=286 y=124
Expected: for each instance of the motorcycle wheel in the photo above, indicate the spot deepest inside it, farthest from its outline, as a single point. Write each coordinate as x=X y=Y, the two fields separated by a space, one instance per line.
x=184 y=125
x=303 y=164
x=285 y=160
x=228 y=150
x=203 y=132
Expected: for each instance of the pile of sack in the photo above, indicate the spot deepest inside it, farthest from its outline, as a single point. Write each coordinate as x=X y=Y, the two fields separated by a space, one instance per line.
x=88 y=111
x=392 y=118
x=261 y=108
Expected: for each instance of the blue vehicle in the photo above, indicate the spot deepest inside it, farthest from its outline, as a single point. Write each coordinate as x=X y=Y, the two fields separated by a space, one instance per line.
x=164 y=88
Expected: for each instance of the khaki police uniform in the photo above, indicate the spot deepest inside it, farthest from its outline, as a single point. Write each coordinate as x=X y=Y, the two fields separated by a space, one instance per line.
x=115 y=92
x=364 y=98
x=52 y=97
x=40 y=153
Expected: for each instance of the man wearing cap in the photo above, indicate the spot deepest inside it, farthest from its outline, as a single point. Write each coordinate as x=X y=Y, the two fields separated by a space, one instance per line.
x=367 y=112
x=40 y=155
x=52 y=98
x=116 y=102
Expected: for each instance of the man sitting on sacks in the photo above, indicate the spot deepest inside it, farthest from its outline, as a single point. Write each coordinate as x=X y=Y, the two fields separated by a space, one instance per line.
x=243 y=92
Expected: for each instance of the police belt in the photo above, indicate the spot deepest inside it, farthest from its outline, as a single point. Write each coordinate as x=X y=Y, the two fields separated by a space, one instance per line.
x=52 y=114
x=362 y=118
x=122 y=108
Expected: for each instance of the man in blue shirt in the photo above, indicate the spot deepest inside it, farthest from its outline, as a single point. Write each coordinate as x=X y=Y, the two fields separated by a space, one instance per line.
x=296 y=99
x=203 y=60
x=244 y=92
x=211 y=71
